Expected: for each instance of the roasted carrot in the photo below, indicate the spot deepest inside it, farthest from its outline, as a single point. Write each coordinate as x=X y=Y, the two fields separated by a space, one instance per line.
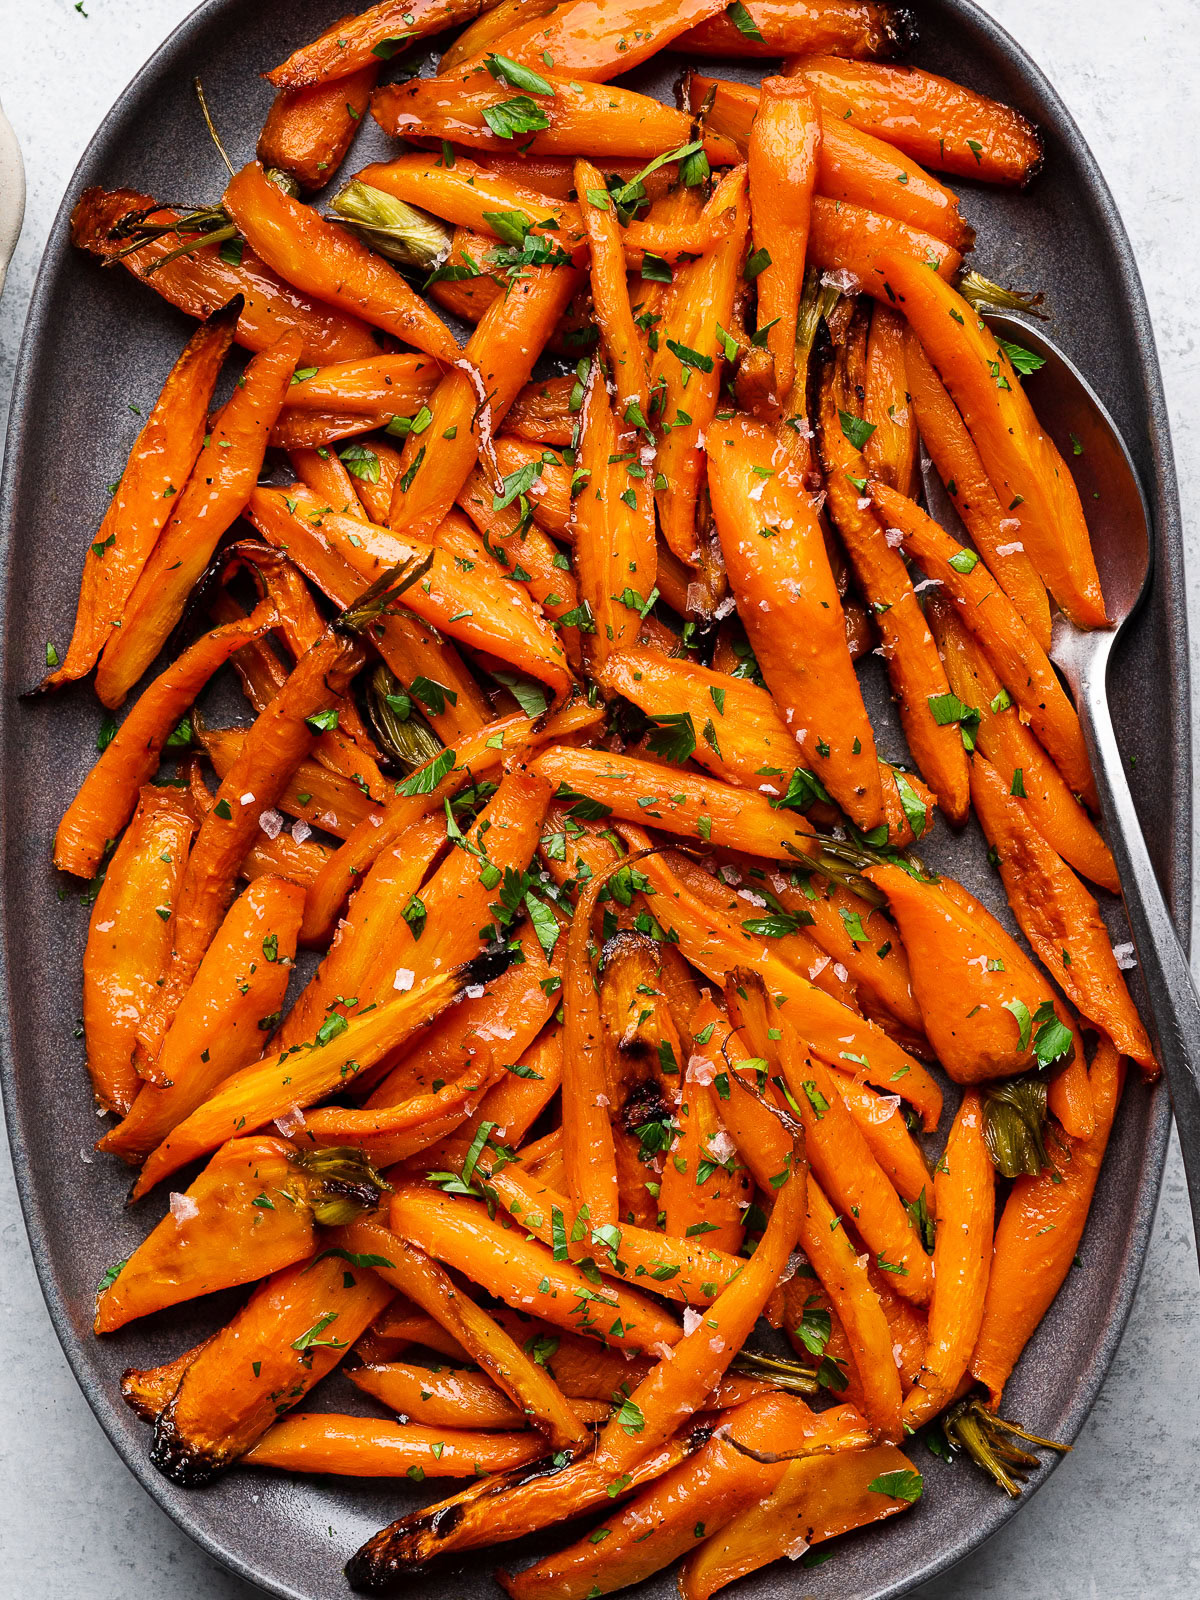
x=224 y=1019
x=527 y=553
x=491 y=25
x=109 y=793
x=891 y=449
x=397 y=385
x=1058 y=916
x=782 y=164
x=325 y=474
x=216 y=492
x=1038 y=1234
x=454 y=1398
x=964 y=1184
x=853 y=28
x=292 y=1331
x=244 y=1217
x=542 y=411
x=317 y=430
x=146 y=1390
x=370 y=1447
x=610 y=290
x=775 y=555
x=308 y=131
x=1022 y=664
x=591 y=43
x=939 y=123
x=357 y=42
x=159 y=465
x=853 y=240
x=126 y=947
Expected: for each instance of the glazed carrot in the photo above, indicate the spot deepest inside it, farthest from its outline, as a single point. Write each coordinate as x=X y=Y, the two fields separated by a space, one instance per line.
x=519 y=545
x=459 y=1233
x=309 y=130
x=399 y=1132
x=292 y=1331
x=245 y=1216
x=399 y=385
x=850 y=28
x=677 y=801
x=992 y=528
x=514 y=1103
x=272 y=1086
x=853 y=167
x=714 y=944
x=470 y=194
x=146 y=1390
x=220 y=484
x=370 y=1447
x=610 y=291
x=592 y=43
x=850 y=239
x=891 y=449
x=449 y=1399
x=316 y=430
x=550 y=492
x=126 y=946
x=324 y=472
x=775 y=555
x=476 y=607
x=1039 y=1232
x=278 y=741
x=816 y=1500
x=883 y=1128
x=201 y=282
x=915 y=671
x=225 y=1017
x=109 y=793
x=1028 y=474
x=1059 y=917
x=1022 y=664
x=491 y=25
x=356 y=42
x=703 y=1191
x=590 y=119
x=686 y=370
x=939 y=123
x=470 y=402
x=158 y=467
x=529 y=1386
x=964 y=1183
x=839 y=1156
x=782 y=164
x=542 y=411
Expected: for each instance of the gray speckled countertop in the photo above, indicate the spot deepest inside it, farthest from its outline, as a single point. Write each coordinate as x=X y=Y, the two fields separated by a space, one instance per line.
x=1118 y=1521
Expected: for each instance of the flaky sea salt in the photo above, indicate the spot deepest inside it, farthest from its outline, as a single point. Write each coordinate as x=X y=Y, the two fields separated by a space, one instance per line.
x=183 y=1209
x=300 y=830
x=1013 y=549
x=247 y=800
x=1125 y=957
x=894 y=537
x=700 y=1069
x=292 y=1121
x=691 y=1320
x=475 y=991
x=271 y=823
x=403 y=979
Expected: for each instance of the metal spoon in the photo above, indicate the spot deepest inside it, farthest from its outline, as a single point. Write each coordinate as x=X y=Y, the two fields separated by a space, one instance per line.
x=1119 y=521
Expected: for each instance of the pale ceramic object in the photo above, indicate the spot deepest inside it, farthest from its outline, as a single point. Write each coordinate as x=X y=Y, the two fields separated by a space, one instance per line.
x=12 y=193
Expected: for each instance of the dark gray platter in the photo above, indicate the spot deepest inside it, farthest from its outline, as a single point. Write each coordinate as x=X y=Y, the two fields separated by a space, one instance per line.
x=96 y=345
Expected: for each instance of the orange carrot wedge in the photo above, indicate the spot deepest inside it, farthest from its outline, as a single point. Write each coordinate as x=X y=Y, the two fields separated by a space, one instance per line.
x=308 y=131
x=850 y=28
x=1059 y=917
x=325 y=474
x=778 y=569
x=610 y=290
x=937 y=122
x=965 y=1186
x=782 y=163
x=1029 y=476
x=357 y=42
x=853 y=240
x=399 y=385
x=493 y=24
x=330 y=263
x=370 y=1447
x=158 y=467
x=592 y=44
x=245 y=1216
x=891 y=450
x=1022 y=664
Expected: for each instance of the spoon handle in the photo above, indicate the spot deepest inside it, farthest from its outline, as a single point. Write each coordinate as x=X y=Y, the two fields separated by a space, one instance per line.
x=1165 y=968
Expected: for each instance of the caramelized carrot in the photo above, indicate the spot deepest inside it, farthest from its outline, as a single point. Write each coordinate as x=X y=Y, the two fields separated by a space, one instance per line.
x=224 y=1018
x=158 y=467
x=491 y=25
x=220 y=484
x=244 y=1217
x=886 y=1135
x=519 y=545
x=782 y=165
x=370 y=1447
x=397 y=385
x=317 y=430
x=309 y=130
x=891 y=449
x=853 y=239
x=775 y=555
x=451 y=1399
x=542 y=411
x=592 y=43
x=610 y=290
x=964 y=1184
x=852 y=28
x=325 y=474
x=356 y=42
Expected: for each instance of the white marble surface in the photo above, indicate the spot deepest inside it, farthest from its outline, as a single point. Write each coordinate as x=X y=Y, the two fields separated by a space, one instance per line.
x=1118 y=1521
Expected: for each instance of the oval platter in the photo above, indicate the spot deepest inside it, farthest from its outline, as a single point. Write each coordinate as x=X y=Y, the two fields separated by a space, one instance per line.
x=97 y=345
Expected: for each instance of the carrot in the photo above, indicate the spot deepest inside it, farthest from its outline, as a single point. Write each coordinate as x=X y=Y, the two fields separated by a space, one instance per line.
x=244 y=1217
x=459 y=1233
x=816 y=1500
x=549 y=494
x=309 y=130
x=853 y=239
x=1038 y=1234
x=937 y=122
x=590 y=119
x=514 y=1103
x=685 y=373
x=915 y=670
x=356 y=42
x=325 y=474
x=220 y=484
x=852 y=28
x=1059 y=917
x=1026 y=470
x=292 y=1331
x=109 y=794
x=158 y=467
x=519 y=545
x=542 y=411
x=126 y=947
x=224 y=1018
x=368 y=1447
x=883 y=1128
x=964 y=1183
x=703 y=1191
x=983 y=606
x=146 y=1390
x=398 y=385
x=592 y=45
x=775 y=555
x=448 y=1399
x=398 y=1132
x=201 y=282
x=492 y=24
x=945 y=436
x=782 y=162
x=891 y=449
x=317 y=430
x=610 y=290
